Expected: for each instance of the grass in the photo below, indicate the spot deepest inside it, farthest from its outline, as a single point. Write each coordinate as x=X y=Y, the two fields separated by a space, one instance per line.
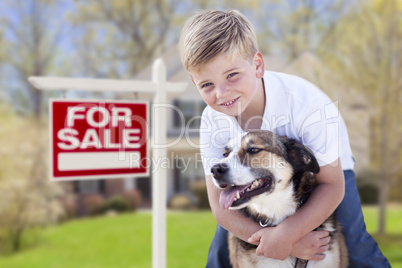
x=125 y=241
x=117 y=242
x=390 y=243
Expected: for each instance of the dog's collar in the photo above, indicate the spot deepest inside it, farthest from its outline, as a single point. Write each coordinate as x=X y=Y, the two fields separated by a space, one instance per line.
x=301 y=263
x=266 y=223
x=300 y=204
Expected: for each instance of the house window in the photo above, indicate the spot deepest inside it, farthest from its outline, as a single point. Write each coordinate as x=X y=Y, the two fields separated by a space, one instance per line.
x=191 y=111
x=90 y=187
x=187 y=170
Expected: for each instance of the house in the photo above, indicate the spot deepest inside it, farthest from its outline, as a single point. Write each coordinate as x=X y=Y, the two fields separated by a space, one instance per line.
x=183 y=119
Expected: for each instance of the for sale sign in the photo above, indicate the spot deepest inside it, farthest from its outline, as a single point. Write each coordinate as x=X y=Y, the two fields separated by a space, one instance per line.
x=98 y=139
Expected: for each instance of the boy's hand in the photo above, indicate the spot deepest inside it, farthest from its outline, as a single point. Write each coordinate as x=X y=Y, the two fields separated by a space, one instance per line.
x=272 y=243
x=312 y=246
x=276 y=246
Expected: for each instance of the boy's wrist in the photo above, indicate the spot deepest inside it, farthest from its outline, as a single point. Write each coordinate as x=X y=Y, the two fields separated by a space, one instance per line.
x=288 y=233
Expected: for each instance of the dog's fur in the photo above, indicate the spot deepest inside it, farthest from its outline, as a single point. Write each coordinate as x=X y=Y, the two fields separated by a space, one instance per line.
x=281 y=170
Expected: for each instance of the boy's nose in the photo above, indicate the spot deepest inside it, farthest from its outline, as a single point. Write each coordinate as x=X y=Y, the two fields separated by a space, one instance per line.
x=222 y=92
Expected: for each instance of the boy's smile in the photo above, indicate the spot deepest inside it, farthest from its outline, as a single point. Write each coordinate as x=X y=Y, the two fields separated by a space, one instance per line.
x=233 y=87
x=230 y=102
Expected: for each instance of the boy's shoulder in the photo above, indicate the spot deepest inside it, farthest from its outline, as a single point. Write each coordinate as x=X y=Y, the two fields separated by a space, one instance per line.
x=293 y=86
x=291 y=83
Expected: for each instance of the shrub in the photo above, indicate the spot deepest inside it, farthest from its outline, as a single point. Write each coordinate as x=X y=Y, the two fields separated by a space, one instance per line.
x=368 y=194
x=94 y=204
x=27 y=198
x=133 y=198
x=367 y=182
x=199 y=189
x=118 y=203
x=22 y=207
x=181 y=202
x=69 y=206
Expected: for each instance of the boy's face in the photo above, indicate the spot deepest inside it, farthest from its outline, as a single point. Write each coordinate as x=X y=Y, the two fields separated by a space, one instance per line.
x=228 y=86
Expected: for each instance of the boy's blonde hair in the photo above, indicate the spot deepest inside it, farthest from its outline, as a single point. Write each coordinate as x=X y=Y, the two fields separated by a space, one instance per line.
x=209 y=34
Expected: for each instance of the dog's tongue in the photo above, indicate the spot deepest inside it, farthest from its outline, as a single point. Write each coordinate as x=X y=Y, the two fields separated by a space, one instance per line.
x=227 y=197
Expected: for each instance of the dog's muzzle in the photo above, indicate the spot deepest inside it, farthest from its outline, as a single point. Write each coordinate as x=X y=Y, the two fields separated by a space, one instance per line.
x=234 y=195
x=220 y=173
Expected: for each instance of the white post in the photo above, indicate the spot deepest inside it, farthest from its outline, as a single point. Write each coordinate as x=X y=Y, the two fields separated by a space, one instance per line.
x=159 y=176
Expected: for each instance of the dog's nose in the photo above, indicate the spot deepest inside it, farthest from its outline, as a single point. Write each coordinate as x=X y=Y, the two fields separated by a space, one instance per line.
x=219 y=169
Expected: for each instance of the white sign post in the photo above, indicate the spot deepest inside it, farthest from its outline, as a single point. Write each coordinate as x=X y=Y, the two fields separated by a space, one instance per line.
x=159 y=87
x=159 y=176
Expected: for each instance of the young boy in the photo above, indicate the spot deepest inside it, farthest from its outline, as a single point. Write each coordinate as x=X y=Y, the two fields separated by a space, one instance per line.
x=219 y=51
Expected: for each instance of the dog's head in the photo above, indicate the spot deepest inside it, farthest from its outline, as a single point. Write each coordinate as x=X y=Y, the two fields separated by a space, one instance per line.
x=259 y=162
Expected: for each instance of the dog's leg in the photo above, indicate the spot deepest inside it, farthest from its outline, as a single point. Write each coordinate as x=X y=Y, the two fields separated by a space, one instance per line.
x=343 y=251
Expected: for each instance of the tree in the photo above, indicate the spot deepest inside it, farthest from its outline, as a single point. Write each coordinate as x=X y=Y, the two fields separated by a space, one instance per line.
x=28 y=199
x=29 y=43
x=368 y=54
x=119 y=38
x=31 y=36
x=291 y=27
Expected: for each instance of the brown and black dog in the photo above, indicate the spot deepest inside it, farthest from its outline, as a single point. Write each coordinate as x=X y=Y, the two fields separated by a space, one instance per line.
x=269 y=177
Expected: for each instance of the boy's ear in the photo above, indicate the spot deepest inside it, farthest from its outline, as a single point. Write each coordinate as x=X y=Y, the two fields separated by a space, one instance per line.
x=258 y=61
x=192 y=79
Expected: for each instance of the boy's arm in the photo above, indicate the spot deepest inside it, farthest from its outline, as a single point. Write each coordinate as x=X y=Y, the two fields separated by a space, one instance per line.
x=321 y=204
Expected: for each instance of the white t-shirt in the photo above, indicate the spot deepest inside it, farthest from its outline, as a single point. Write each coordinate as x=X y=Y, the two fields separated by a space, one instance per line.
x=294 y=108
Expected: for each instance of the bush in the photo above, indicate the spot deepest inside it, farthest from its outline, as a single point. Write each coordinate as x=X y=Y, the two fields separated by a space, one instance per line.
x=23 y=207
x=133 y=198
x=181 y=202
x=94 y=204
x=368 y=194
x=199 y=189
x=69 y=206
x=367 y=182
x=118 y=203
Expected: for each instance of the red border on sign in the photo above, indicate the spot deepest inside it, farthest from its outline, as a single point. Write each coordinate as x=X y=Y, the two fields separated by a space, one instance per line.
x=109 y=136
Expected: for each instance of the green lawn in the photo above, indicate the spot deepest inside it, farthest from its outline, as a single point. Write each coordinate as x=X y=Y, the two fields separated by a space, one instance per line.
x=121 y=241
x=125 y=241
x=390 y=243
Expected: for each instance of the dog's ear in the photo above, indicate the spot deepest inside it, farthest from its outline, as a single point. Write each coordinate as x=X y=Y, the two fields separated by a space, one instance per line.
x=300 y=156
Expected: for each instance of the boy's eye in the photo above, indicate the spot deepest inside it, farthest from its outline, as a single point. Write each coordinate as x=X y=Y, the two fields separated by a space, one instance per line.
x=231 y=75
x=206 y=85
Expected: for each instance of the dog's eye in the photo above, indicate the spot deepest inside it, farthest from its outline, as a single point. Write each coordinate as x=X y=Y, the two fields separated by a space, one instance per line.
x=253 y=150
x=225 y=154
